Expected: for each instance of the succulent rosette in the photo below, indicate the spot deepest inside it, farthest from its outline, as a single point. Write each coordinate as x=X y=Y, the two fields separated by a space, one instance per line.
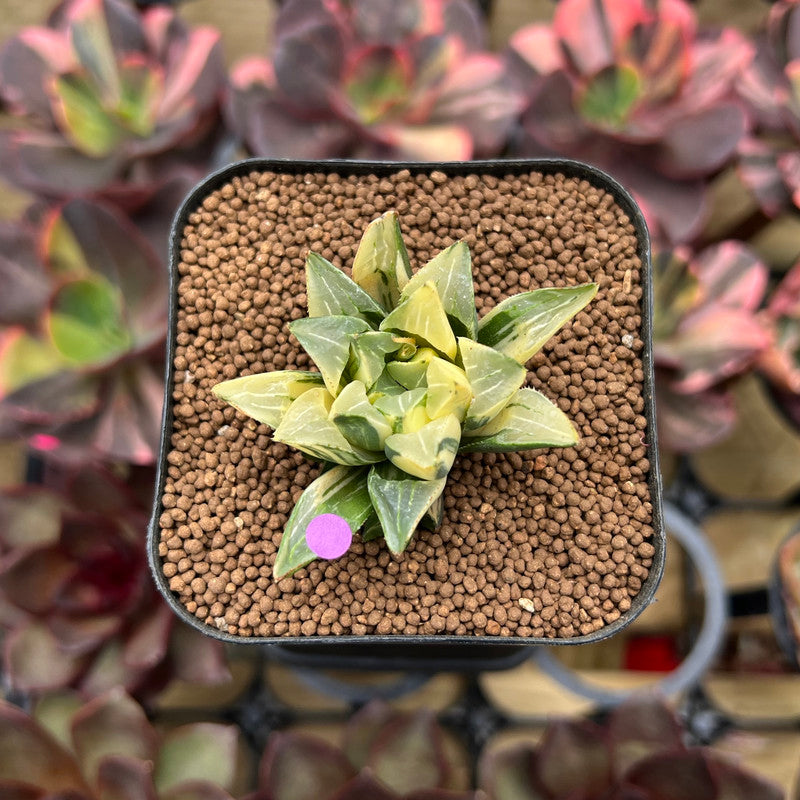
x=81 y=348
x=107 y=749
x=379 y=745
x=770 y=157
x=76 y=600
x=408 y=378
x=374 y=78
x=706 y=331
x=635 y=88
x=638 y=752
x=107 y=91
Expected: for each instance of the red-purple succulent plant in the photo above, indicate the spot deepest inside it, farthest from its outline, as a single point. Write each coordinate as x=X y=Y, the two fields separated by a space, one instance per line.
x=386 y=755
x=770 y=157
x=108 y=750
x=636 y=754
x=76 y=599
x=780 y=362
x=635 y=88
x=374 y=78
x=110 y=96
x=706 y=331
x=83 y=315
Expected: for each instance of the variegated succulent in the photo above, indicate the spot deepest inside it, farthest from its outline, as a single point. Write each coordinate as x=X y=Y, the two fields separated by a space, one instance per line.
x=408 y=378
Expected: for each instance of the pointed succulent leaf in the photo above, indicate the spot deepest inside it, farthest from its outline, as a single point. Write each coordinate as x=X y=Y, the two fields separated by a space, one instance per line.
x=35 y=661
x=451 y=273
x=449 y=391
x=341 y=491
x=520 y=325
x=127 y=778
x=25 y=359
x=381 y=267
x=92 y=44
x=86 y=323
x=307 y=427
x=422 y=316
x=54 y=712
x=429 y=452
x=372 y=528
x=385 y=386
x=364 y=727
x=358 y=420
x=331 y=293
x=398 y=408
x=412 y=374
x=266 y=397
x=400 y=502
x=494 y=379
x=203 y=751
x=368 y=353
x=327 y=340
x=434 y=515
x=529 y=421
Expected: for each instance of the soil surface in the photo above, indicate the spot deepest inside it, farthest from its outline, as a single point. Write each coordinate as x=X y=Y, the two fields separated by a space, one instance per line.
x=543 y=543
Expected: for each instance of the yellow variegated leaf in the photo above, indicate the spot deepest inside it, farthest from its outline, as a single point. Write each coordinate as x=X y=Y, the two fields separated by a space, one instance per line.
x=429 y=452
x=449 y=391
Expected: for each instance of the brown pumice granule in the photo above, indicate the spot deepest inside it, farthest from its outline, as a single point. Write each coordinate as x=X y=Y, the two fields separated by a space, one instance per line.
x=548 y=543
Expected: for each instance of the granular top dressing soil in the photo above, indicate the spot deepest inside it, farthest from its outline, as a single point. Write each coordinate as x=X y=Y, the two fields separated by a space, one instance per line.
x=543 y=543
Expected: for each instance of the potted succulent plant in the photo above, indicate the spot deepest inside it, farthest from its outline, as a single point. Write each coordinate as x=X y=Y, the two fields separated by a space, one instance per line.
x=478 y=398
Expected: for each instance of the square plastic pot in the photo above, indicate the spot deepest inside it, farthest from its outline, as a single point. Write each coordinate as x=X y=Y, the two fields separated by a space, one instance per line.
x=370 y=651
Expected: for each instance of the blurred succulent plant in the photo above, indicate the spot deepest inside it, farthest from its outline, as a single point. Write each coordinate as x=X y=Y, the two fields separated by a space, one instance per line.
x=374 y=78
x=409 y=377
x=107 y=750
x=386 y=755
x=788 y=575
x=780 y=362
x=82 y=336
x=76 y=599
x=634 y=88
x=106 y=90
x=638 y=752
x=706 y=331
x=770 y=157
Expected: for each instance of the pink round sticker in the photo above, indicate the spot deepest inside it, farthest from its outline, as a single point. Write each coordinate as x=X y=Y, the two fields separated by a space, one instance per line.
x=328 y=536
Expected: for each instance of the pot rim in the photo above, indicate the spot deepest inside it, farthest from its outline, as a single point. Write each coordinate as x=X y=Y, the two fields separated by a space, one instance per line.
x=497 y=167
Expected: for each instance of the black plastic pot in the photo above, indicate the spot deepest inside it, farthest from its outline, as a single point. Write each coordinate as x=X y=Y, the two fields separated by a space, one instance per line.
x=368 y=651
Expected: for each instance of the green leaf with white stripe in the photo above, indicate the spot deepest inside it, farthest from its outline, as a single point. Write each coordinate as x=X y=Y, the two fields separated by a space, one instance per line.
x=451 y=273
x=528 y=422
x=266 y=397
x=449 y=391
x=401 y=410
x=381 y=267
x=519 y=326
x=422 y=316
x=429 y=452
x=327 y=340
x=494 y=379
x=340 y=490
x=331 y=293
x=368 y=353
x=400 y=502
x=411 y=374
x=306 y=426
x=358 y=420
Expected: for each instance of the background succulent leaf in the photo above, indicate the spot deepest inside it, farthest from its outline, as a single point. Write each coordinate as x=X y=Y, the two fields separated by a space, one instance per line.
x=267 y=396
x=422 y=316
x=400 y=502
x=451 y=273
x=449 y=391
x=327 y=340
x=307 y=427
x=520 y=325
x=358 y=420
x=92 y=44
x=368 y=353
x=529 y=421
x=339 y=491
x=494 y=378
x=429 y=452
x=25 y=359
x=381 y=266
x=86 y=323
x=331 y=293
